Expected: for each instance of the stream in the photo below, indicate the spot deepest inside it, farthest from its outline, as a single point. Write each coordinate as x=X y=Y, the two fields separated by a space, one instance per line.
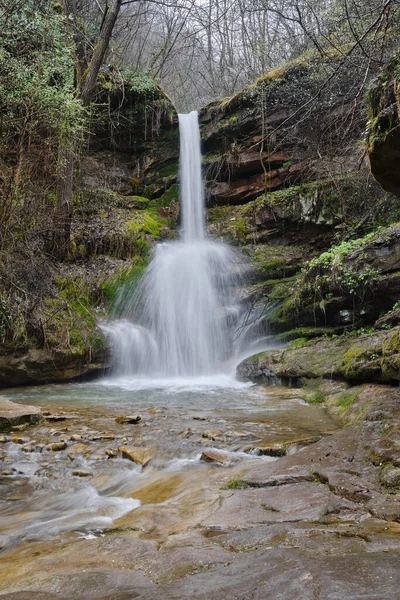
x=68 y=476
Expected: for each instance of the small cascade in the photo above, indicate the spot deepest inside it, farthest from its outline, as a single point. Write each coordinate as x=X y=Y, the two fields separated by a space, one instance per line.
x=183 y=317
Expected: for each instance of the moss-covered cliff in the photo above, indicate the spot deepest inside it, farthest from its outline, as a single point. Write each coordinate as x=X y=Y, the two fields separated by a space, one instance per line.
x=125 y=198
x=384 y=127
x=288 y=181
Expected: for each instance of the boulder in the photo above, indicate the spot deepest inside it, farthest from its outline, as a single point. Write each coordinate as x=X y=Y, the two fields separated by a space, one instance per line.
x=40 y=365
x=12 y=414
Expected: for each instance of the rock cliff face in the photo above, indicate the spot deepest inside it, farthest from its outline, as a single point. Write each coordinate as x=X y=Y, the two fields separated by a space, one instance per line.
x=384 y=127
x=134 y=143
x=273 y=134
x=287 y=179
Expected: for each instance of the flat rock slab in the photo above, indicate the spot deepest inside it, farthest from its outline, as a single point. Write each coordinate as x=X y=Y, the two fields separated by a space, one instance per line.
x=293 y=502
x=291 y=574
x=12 y=414
x=267 y=574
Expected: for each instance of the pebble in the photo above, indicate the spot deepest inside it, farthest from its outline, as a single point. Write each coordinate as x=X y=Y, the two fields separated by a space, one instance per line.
x=77 y=449
x=76 y=437
x=111 y=453
x=16 y=439
x=79 y=473
x=136 y=454
x=3 y=439
x=56 y=446
x=103 y=436
x=55 y=431
x=212 y=434
x=276 y=450
x=28 y=447
x=239 y=434
x=129 y=419
x=213 y=456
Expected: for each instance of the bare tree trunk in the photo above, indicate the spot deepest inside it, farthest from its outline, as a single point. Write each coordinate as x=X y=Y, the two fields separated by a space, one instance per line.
x=63 y=213
x=99 y=53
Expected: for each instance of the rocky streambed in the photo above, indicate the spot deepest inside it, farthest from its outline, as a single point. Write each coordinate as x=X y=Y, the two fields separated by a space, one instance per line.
x=200 y=491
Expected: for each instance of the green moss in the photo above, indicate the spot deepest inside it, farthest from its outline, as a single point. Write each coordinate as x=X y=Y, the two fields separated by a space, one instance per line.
x=323 y=202
x=169 y=171
x=151 y=226
x=148 y=222
x=256 y=357
x=346 y=400
x=69 y=321
x=236 y=484
x=318 y=398
x=149 y=191
x=138 y=202
x=306 y=333
x=283 y=70
x=391 y=344
x=227 y=122
x=124 y=279
x=298 y=342
x=169 y=197
x=217 y=214
x=358 y=359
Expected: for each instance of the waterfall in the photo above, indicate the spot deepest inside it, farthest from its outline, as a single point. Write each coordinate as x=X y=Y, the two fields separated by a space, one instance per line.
x=191 y=180
x=181 y=318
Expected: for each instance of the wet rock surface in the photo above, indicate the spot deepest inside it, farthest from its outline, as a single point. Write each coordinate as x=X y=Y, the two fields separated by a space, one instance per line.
x=31 y=366
x=321 y=522
x=12 y=414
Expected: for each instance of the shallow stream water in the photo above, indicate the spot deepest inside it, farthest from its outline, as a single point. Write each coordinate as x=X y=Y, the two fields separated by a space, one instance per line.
x=84 y=486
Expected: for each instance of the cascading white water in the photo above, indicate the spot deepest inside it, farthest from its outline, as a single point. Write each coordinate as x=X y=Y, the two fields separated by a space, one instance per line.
x=181 y=318
x=191 y=180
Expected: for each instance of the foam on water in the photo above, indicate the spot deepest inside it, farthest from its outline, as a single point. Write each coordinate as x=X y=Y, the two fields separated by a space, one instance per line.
x=172 y=385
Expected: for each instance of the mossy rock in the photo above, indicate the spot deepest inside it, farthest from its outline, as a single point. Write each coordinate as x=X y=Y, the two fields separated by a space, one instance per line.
x=117 y=289
x=69 y=320
x=135 y=202
x=367 y=357
x=278 y=261
x=307 y=333
x=315 y=203
x=170 y=196
x=148 y=223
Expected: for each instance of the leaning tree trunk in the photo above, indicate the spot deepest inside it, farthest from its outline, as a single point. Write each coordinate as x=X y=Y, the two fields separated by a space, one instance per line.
x=101 y=48
x=63 y=216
